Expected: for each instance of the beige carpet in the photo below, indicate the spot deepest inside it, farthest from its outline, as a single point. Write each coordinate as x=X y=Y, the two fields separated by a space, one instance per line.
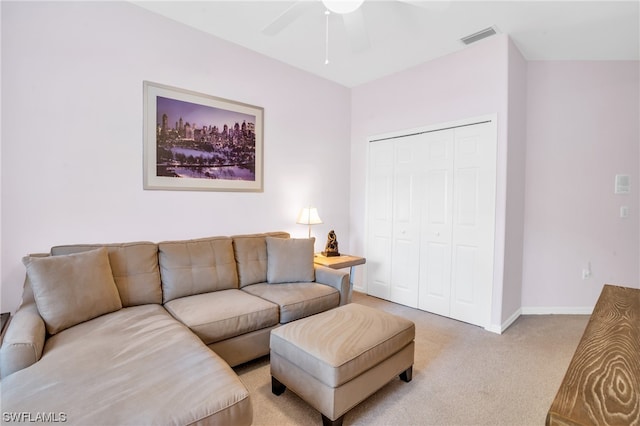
x=463 y=375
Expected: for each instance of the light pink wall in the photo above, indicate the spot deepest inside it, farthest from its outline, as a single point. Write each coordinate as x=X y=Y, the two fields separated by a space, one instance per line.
x=582 y=130
x=469 y=83
x=72 y=76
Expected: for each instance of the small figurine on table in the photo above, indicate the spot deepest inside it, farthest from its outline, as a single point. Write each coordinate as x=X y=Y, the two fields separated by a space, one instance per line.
x=331 y=249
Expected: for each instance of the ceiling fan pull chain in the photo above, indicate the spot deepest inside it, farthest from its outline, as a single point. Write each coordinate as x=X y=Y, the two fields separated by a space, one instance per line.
x=326 y=38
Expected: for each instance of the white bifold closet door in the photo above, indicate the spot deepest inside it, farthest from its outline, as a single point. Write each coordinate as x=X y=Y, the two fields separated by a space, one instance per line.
x=394 y=212
x=431 y=214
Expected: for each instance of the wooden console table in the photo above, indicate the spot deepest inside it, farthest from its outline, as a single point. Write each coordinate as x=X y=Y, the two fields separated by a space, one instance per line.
x=602 y=383
x=339 y=262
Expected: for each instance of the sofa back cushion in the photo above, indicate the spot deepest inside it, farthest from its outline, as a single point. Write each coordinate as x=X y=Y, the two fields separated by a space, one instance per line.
x=196 y=266
x=135 y=269
x=72 y=289
x=251 y=256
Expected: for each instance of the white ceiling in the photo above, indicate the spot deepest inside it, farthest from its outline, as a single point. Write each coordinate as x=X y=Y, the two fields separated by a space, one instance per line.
x=404 y=33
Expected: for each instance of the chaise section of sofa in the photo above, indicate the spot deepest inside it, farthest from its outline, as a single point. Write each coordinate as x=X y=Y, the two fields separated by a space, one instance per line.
x=133 y=366
x=134 y=269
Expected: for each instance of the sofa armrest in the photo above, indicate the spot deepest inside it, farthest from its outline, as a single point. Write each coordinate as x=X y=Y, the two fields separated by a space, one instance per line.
x=23 y=341
x=337 y=279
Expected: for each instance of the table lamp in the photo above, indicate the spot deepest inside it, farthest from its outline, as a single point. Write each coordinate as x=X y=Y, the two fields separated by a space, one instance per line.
x=309 y=216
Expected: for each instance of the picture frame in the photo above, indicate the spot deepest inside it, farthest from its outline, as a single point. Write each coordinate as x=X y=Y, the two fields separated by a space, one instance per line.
x=198 y=142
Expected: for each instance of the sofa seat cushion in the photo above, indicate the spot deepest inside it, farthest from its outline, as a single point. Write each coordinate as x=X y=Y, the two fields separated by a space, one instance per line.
x=297 y=300
x=223 y=314
x=131 y=367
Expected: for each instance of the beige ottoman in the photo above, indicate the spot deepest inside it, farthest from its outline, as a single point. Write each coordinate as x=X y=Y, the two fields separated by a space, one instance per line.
x=336 y=359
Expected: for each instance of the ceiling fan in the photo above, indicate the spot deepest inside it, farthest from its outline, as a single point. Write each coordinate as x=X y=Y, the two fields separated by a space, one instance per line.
x=350 y=12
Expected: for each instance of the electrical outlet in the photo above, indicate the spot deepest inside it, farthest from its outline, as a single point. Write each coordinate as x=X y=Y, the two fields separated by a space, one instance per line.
x=586 y=272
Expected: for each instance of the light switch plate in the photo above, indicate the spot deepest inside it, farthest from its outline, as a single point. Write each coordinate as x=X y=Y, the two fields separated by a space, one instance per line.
x=623 y=184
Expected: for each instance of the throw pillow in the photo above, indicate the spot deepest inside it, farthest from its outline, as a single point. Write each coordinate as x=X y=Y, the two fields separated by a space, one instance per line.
x=74 y=288
x=290 y=260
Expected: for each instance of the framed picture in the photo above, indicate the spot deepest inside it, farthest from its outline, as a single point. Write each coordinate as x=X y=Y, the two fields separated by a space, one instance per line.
x=197 y=142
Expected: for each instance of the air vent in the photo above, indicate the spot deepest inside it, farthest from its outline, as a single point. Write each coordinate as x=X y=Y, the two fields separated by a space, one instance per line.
x=487 y=32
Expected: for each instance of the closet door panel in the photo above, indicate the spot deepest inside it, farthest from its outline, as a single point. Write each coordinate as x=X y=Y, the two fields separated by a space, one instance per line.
x=406 y=222
x=473 y=227
x=404 y=284
x=465 y=284
x=436 y=228
x=379 y=269
x=435 y=282
x=467 y=196
x=380 y=205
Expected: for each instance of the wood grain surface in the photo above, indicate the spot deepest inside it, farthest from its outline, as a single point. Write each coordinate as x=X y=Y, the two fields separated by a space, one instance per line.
x=602 y=383
x=338 y=262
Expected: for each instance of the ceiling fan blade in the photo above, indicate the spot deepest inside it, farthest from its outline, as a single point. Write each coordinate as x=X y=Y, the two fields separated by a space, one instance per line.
x=287 y=17
x=356 y=31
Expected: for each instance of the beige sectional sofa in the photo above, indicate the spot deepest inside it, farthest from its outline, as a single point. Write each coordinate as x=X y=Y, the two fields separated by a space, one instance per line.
x=147 y=333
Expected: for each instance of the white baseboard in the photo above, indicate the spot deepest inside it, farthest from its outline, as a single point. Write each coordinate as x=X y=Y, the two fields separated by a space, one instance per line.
x=539 y=310
x=494 y=329
x=499 y=329
x=557 y=310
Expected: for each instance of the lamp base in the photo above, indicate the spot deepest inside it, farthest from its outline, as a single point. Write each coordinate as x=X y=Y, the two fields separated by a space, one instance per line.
x=330 y=253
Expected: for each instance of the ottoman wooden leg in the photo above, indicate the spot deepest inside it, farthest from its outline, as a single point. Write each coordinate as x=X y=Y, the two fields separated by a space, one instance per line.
x=276 y=387
x=326 y=421
x=407 y=374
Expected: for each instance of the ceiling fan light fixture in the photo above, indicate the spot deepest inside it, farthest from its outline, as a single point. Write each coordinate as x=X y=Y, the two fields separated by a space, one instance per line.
x=342 y=6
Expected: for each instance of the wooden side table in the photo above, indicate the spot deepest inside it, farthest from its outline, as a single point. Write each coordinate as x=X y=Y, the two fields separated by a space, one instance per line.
x=339 y=262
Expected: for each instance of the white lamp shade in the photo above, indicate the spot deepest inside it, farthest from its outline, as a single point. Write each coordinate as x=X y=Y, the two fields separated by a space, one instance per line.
x=309 y=216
